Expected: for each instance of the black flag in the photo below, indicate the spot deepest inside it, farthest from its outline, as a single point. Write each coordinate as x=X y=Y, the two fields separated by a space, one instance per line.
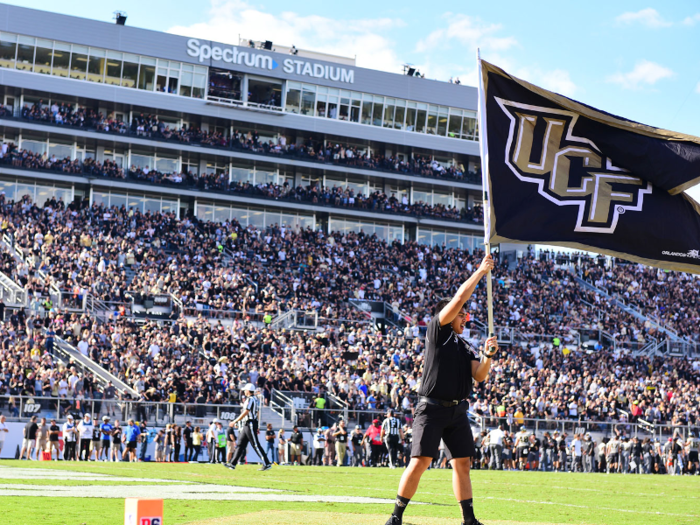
x=560 y=172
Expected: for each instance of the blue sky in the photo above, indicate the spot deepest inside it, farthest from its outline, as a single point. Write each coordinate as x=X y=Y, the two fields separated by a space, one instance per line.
x=639 y=60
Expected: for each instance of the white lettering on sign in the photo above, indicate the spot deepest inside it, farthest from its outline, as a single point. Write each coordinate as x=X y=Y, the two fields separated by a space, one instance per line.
x=232 y=55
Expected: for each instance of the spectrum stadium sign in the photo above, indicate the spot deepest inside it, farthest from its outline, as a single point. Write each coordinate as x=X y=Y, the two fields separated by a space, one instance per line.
x=233 y=55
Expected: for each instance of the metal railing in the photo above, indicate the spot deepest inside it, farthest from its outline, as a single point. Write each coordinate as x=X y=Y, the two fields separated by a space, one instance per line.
x=11 y=292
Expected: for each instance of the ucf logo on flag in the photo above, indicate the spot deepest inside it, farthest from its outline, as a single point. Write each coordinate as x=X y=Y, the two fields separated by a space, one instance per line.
x=559 y=172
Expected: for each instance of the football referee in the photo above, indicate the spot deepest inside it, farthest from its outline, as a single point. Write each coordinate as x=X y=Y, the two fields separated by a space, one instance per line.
x=449 y=366
x=392 y=435
x=249 y=431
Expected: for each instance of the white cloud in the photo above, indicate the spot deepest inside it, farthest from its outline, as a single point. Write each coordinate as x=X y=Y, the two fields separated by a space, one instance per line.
x=644 y=73
x=469 y=32
x=691 y=20
x=363 y=38
x=647 y=17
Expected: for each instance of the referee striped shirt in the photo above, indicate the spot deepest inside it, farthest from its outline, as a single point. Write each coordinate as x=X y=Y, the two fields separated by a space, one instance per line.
x=252 y=404
x=391 y=426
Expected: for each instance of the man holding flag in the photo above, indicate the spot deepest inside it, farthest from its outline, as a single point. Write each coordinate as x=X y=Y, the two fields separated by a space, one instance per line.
x=449 y=368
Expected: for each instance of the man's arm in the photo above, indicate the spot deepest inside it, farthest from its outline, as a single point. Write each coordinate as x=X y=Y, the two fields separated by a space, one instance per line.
x=481 y=369
x=243 y=414
x=465 y=291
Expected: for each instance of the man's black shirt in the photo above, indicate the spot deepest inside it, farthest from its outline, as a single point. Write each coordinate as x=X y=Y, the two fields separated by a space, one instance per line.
x=447 y=369
x=269 y=435
x=231 y=434
x=356 y=438
x=187 y=434
x=53 y=432
x=296 y=437
x=30 y=430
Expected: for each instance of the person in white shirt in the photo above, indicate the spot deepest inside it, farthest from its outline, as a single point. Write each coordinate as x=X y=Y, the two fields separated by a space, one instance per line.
x=3 y=432
x=495 y=438
x=69 y=439
x=83 y=347
x=85 y=428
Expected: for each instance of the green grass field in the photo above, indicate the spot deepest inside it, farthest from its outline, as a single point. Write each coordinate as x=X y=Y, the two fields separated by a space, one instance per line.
x=500 y=497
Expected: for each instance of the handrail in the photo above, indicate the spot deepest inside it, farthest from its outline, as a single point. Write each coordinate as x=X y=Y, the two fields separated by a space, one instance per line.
x=73 y=354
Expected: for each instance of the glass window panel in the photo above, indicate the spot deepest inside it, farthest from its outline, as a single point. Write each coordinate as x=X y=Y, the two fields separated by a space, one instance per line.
x=199 y=87
x=114 y=71
x=34 y=146
x=442 y=198
x=189 y=68
x=60 y=150
x=100 y=198
x=422 y=196
x=152 y=205
x=307 y=222
x=468 y=128
x=320 y=105
x=382 y=232
x=116 y=55
x=332 y=111
x=242 y=175
x=288 y=220
x=308 y=87
x=78 y=65
x=420 y=120
x=293 y=85
x=166 y=165
x=377 y=112
x=147 y=75
x=26 y=189
x=344 y=113
x=117 y=200
x=64 y=194
x=438 y=238
x=147 y=61
x=432 y=123
x=167 y=206
x=42 y=60
x=455 y=124
x=130 y=73
x=411 y=119
x=257 y=219
x=8 y=50
x=221 y=213
x=136 y=202
x=367 y=112
x=9 y=189
x=308 y=100
x=442 y=125
x=322 y=89
x=241 y=215
x=128 y=57
x=142 y=161
x=272 y=218
x=389 y=116
x=399 y=116
x=292 y=102
x=205 y=212
x=355 y=111
x=395 y=233
x=25 y=57
x=186 y=82
x=61 y=60
x=43 y=193
x=359 y=188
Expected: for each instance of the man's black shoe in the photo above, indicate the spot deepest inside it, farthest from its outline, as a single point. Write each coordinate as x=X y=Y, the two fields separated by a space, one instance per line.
x=266 y=467
x=229 y=465
x=393 y=520
x=475 y=522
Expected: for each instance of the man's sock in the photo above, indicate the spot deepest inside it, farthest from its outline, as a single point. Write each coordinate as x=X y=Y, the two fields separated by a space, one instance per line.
x=467 y=511
x=400 y=506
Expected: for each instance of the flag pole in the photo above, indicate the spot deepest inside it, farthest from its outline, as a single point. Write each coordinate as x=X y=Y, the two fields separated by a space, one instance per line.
x=484 y=152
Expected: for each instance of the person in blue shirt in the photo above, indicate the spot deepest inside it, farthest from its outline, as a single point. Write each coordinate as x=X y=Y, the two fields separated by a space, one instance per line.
x=131 y=435
x=106 y=429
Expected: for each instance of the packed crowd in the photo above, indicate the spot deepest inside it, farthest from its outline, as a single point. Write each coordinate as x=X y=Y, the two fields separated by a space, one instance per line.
x=227 y=267
x=654 y=292
x=309 y=149
x=313 y=194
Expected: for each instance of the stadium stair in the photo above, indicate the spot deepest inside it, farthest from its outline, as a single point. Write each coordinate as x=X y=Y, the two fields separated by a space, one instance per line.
x=67 y=353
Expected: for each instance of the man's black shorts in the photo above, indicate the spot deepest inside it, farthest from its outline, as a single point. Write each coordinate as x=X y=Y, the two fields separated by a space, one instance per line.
x=131 y=445
x=434 y=422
